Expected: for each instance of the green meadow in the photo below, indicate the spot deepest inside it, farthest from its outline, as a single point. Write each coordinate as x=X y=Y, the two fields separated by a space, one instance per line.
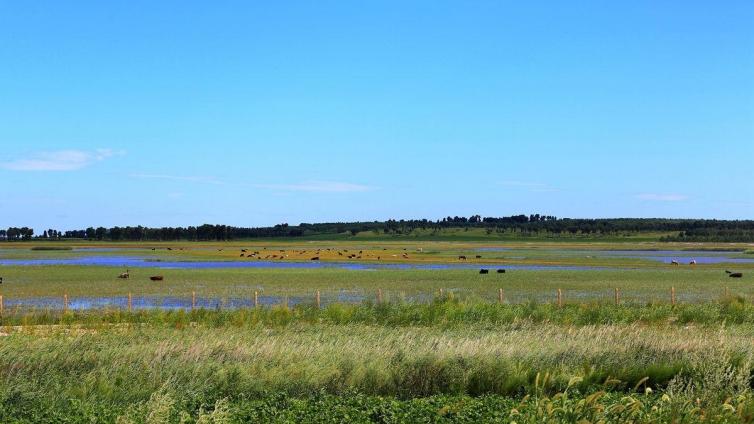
x=439 y=347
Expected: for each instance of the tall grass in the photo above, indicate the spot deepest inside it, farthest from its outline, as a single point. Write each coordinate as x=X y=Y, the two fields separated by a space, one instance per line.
x=147 y=370
x=445 y=311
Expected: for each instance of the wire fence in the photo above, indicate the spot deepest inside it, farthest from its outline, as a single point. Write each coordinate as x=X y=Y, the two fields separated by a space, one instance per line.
x=319 y=299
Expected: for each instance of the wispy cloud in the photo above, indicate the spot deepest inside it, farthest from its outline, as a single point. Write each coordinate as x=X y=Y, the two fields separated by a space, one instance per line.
x=188 y=178
x=657 y=197
x=318 y=186
x=528 y=185
x=60 y=160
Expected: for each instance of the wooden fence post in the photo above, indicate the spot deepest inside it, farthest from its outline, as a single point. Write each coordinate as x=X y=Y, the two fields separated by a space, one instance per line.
x=193 y=300
x=560 y=298
x=617 y=296
x=130 y=302
x=379 y=296
x=500 y=295
x=65 y=302
x=317 y=298
x=672 y=295
x=256 y=298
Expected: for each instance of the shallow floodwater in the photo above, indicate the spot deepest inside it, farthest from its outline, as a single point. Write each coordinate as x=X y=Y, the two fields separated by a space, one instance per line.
x=136 y=262
x=682 y=256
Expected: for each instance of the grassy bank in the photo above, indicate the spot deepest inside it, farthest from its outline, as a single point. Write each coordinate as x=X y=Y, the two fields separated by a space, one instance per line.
x=384 y=364
x=444 y=312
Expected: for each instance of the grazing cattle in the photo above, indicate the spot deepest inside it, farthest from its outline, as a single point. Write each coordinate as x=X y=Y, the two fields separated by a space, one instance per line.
x=1 y=280
x=169 y=248
x=462 y=258
x=501 y=271
x=692 y=262
x=124 y=274
x=153 y=248
x=674 y=262
x=243 y=250
x=241 y=255
x=340 y=254
x=315 y=258
x=484 y=271
x=479 y=256
x=157 y=278
x=360 y=252
x=735 y=275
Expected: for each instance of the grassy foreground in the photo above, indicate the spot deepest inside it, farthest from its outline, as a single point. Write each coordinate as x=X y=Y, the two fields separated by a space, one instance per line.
x=444 y=362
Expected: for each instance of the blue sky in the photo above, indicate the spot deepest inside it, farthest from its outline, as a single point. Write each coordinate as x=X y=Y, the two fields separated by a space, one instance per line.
x=256 y=113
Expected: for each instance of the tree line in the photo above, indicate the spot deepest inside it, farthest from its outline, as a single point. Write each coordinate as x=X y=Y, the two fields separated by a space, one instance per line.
x=524 y=225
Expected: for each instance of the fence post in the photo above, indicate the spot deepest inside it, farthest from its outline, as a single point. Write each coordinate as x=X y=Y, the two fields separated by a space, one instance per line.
x=500 y=295
x=193 y=300
x=256 y=298
x=317 y=298
x=1 y=304
x=617 y=296
x=130 y=302
x=379 y=296
x=65 y=302
x=672 y=295
x=560 y=298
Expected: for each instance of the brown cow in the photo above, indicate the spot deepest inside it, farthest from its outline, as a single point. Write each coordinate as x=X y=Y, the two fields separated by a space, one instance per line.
x=461 y=258
x=157 y=278
x=124 y=274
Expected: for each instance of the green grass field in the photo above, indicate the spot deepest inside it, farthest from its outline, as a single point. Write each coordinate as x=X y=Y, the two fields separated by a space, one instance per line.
x=420 y=356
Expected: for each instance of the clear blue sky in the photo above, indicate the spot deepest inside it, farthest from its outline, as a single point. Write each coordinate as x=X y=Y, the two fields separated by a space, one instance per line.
x=256 y=113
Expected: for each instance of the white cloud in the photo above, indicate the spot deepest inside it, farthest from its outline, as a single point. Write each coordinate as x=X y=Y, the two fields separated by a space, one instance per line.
x=318 y=186
x=61 y=160
x=189 y=178
x=656 y=197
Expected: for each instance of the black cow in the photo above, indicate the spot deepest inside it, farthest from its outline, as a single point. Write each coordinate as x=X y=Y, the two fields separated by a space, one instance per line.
x=501 y=271
x=316 y=258
x=735 y=275
x=484 y=271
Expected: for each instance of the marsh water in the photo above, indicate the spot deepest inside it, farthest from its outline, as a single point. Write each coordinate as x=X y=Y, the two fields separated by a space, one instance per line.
x=138 y=262
x=129 y=258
